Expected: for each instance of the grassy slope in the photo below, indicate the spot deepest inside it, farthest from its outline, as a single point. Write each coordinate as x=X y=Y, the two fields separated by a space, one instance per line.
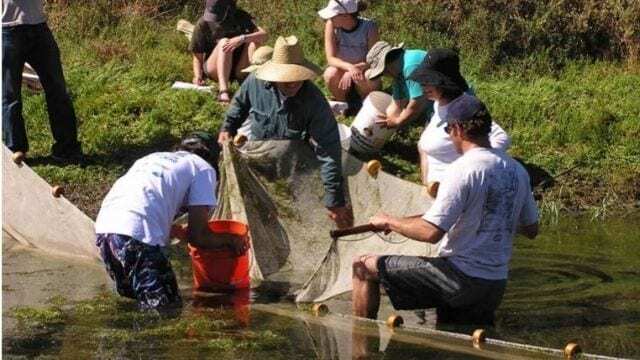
x=120 y=61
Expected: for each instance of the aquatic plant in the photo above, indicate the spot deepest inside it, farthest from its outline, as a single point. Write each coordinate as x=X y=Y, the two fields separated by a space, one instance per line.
x=38 y=318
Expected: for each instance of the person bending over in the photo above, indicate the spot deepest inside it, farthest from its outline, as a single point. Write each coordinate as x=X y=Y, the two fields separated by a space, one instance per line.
x=134 y=223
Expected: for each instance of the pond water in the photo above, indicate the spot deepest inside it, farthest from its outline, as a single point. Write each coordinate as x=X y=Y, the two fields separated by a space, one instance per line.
x=578 y=281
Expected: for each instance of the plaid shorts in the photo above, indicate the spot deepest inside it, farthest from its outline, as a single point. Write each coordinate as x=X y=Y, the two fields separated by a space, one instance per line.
x=414 y=282
x=140 y=271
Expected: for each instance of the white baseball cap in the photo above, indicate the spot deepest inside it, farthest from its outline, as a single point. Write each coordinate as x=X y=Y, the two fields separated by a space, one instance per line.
x=337 y=7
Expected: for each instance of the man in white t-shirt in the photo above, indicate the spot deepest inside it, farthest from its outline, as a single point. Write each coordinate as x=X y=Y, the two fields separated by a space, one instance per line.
x=135 y=221
x=484 y=200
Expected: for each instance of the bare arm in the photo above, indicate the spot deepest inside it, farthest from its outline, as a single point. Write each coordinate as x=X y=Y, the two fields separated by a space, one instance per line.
x=259 y=36
x=413 y=227
x=201 y=236
x=198 y=76
x=424 y=166
x=408 y=113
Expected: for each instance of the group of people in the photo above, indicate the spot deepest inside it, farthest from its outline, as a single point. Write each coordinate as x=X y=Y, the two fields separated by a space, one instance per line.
x=484 y=197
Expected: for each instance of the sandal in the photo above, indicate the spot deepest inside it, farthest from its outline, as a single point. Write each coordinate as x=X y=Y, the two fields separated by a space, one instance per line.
x=224 y=96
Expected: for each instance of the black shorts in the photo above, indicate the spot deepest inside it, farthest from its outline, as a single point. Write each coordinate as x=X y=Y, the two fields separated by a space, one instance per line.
x=414 y=282
x=235 y=60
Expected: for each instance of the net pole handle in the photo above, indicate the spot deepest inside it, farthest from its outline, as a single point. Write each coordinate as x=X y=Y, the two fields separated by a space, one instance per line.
x=352 y=231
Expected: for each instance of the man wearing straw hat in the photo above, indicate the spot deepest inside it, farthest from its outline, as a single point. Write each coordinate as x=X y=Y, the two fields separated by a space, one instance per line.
x=484 y=199
x=282 y=103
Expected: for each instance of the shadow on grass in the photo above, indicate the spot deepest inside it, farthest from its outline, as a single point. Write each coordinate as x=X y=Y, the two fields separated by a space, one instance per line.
x=122 y=157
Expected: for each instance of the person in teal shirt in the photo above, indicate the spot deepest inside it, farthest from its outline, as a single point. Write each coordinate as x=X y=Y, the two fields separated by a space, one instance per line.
x=399 y=63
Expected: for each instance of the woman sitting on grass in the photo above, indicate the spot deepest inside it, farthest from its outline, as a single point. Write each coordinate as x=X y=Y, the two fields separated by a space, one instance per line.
x=223 y=41
x=441 y=81
x=347 y=39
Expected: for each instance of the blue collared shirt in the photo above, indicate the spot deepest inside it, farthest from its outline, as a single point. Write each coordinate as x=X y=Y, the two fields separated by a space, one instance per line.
x=301 y=117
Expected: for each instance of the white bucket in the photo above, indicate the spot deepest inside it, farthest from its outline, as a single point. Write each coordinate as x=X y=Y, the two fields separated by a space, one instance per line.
x=367 y=137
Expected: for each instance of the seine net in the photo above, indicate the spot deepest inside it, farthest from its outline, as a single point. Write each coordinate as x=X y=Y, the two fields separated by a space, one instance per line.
x=275 y=187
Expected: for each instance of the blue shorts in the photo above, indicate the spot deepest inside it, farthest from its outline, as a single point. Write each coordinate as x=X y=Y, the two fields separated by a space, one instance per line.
x=140 y=271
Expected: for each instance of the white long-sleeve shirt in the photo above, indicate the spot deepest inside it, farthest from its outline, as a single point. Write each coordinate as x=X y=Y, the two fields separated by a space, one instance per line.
x=436 y=144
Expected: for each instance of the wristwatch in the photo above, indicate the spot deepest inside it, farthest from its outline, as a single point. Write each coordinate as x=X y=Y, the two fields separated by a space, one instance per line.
x=243 y=37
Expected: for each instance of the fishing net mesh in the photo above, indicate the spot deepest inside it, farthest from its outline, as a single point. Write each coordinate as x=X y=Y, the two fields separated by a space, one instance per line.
x=275 y=187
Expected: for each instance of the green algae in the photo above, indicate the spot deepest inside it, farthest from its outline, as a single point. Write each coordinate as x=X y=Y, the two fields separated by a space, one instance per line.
x=113 y=323
x=31 y=318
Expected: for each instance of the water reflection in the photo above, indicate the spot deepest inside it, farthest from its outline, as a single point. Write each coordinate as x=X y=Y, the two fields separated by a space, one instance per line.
x=238 y=302
x=579 y=281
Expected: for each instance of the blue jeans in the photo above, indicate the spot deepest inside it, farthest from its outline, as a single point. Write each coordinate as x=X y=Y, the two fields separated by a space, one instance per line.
x=35 y=44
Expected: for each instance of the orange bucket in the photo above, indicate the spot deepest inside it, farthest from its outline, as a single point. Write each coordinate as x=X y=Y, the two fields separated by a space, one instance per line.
x=215 y=270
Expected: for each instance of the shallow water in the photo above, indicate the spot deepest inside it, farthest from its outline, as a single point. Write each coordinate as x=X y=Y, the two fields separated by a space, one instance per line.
x=577 y=282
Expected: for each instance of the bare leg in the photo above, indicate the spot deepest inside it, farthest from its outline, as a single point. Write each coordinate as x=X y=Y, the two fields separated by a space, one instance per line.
x=212 y=62
x=244 y=61
x=332 y=76
x=366 y=286
x=224 y=67
x=364 y=87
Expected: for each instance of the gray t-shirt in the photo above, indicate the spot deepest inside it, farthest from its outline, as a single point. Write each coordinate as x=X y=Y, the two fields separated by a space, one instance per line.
x=22 y=12
x=482 y=200
x=353 y=45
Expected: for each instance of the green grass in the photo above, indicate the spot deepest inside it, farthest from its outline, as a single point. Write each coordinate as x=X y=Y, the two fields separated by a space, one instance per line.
x=565 y=101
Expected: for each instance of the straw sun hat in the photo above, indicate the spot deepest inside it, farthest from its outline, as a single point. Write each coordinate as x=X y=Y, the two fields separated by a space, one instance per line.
x=259 y=57
x=287 y=63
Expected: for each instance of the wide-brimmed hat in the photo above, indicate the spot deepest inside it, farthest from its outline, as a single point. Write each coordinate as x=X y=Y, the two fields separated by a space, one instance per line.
x=377 y=56
x=441 y=67
x=216 y=10
x=287 y=63
x=337 y=7
x=259 y=57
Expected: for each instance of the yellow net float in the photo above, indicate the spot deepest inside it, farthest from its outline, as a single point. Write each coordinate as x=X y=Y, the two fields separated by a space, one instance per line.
x=320 y=309
x=395 y=321
x=479 y=337
x=373 y=167
x=572 y=350
x=18 y=157
x=432 y=188
x=57 y=191
x=239 y=140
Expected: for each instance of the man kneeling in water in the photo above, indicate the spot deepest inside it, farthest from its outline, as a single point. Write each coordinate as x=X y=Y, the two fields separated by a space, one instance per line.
x=134 y=223
x=483 y=201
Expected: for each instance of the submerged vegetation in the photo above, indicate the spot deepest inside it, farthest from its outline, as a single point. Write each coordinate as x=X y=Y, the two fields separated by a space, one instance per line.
x=108 y=326
x=560 y=76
